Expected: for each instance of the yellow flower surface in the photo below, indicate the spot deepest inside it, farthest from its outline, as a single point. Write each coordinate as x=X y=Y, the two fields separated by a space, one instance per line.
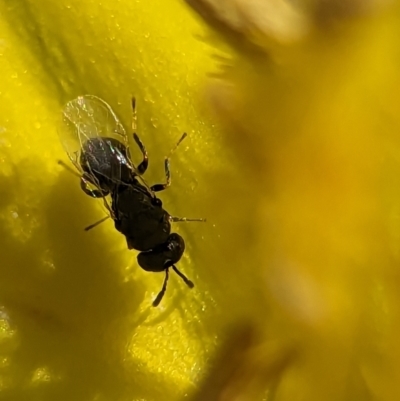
x=76 y=315
x=296 y=270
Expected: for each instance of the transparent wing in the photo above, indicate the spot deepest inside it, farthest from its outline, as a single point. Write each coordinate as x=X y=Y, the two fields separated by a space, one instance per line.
x=88 y=117
x=84 y=118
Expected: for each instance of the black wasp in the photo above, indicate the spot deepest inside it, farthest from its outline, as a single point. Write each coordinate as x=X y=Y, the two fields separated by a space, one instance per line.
x=98 y=146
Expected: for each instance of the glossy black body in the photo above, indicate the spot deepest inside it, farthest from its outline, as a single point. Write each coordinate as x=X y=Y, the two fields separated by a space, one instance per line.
x=141 y=218
x=106 y=164
x=138 y=214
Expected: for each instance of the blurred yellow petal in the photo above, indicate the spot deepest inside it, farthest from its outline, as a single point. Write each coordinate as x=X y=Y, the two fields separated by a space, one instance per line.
x=315 y=125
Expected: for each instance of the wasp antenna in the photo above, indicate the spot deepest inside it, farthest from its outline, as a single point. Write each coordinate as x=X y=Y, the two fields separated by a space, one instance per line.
x=177 y=144
x=188 y=282
x=160 y=295
x=184 y=135
x=134 y=118
x=97 y=223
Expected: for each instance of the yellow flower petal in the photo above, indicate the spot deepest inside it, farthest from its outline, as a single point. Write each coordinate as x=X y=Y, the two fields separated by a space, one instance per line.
x=76 y=308
x=315 y=126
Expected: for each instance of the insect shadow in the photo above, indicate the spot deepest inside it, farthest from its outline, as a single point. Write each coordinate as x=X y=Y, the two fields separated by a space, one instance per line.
x=68 y=306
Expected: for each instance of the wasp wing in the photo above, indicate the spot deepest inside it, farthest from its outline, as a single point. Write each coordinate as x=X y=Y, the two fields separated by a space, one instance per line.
x=89 y=117
x=85 y=118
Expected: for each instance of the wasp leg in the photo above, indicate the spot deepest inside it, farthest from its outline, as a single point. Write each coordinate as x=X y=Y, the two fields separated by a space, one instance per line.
x=142 y=167
x=85 y=182
x=97 y=223
x=161 y=187
x=68 y=168
x=94 y=193
x=173 y=219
